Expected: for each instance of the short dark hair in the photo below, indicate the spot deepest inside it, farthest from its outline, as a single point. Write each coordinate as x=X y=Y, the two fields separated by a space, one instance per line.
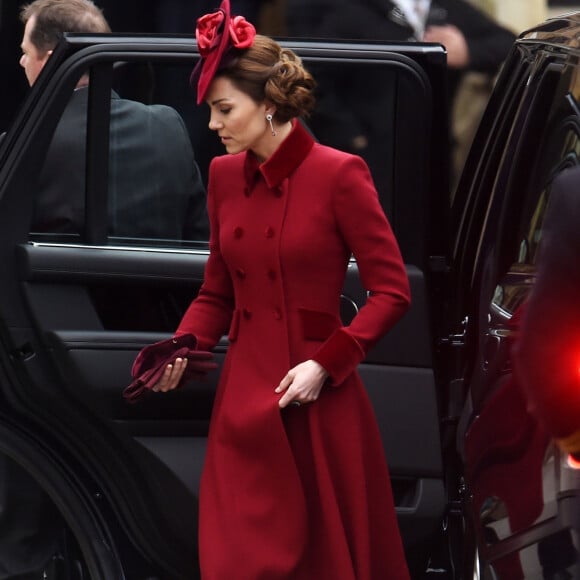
x=55 y=17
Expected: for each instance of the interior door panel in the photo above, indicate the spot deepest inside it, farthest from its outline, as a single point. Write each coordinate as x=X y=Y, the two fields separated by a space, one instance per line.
x=97 y=359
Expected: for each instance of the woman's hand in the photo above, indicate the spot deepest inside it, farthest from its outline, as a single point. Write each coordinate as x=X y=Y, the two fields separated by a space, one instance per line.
x=302 y=384
x=171 y=376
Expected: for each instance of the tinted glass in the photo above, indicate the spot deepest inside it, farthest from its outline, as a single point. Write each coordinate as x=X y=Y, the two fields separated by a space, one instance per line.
x=558 y=147
x=159 y=145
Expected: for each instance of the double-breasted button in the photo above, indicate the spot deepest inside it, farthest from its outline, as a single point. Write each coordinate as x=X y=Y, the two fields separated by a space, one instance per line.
x=247 y=191
x=272 y=274
x=277 y=314
x=269 y=232
x=238 y=232
x=247 y=313
x=240 y=273
x=278 y=191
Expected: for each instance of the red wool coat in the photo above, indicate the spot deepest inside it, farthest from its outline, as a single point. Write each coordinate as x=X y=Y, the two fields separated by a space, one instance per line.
x=301 y=493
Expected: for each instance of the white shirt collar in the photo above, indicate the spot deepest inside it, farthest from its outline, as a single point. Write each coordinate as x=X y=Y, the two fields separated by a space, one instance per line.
x=416 y=13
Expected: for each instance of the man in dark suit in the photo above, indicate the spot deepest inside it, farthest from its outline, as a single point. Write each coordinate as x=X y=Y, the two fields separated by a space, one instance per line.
x=9 y=52
x=473 y=41
x=155 y=187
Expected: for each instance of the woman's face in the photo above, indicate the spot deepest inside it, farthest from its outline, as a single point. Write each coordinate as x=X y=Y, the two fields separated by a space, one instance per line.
x=240 y=122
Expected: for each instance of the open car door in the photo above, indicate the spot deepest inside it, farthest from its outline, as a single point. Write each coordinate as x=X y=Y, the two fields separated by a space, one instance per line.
x=117 y=481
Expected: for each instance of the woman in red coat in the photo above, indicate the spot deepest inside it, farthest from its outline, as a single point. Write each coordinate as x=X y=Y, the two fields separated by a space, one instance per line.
x=295 y=483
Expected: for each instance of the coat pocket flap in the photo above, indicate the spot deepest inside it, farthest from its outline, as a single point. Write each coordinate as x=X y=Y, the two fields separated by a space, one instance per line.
x=316 y=324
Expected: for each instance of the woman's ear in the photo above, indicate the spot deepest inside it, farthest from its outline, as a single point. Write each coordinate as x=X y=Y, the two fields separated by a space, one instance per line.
x=270 y=108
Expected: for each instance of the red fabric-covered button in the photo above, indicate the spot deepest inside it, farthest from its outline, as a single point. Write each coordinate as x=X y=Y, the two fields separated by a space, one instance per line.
x=238 y=232
x=240 y=273
x=269 y=232
x=272 y=274
x=277 y=314
x=247 y=313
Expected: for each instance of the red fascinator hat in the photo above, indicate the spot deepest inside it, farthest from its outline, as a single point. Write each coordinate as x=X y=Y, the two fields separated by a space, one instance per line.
x=217 y=34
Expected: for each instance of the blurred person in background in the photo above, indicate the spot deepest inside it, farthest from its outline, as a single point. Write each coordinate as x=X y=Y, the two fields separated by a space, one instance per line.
x=475 y=87
x=31 y=528
x=350 y=116
x=474 y=41
x=155 y=187
x=177 y=17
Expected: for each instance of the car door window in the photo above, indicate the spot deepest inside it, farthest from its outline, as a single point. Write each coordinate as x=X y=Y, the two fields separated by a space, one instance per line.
x=155 y=193
x=143 y=181
x=558 y=148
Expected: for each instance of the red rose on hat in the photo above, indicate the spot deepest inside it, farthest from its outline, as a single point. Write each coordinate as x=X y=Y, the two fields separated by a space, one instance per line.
x=242 y=32
x=207 y=32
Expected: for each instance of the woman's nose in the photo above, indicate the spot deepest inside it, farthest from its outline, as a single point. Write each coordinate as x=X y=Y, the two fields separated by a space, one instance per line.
x=214 y=125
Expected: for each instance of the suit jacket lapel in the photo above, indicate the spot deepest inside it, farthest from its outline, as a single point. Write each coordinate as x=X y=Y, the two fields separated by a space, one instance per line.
x=438 y=14
x=396 y=15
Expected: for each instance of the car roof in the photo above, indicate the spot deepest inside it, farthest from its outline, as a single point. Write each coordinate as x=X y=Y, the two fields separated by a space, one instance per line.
x=562 y=31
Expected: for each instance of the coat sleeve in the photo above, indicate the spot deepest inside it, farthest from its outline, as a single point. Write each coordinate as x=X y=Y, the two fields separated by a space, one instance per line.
x=547 y=354
x=367 y=233
x=209 y=315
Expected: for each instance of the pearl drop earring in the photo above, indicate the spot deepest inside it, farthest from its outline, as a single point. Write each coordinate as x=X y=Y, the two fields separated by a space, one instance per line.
x=269 y=119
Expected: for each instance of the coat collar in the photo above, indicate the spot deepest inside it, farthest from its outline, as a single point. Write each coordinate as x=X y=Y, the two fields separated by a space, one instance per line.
x=289 y=155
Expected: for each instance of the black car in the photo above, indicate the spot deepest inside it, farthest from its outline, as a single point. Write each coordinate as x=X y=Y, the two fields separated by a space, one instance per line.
x=479 y=488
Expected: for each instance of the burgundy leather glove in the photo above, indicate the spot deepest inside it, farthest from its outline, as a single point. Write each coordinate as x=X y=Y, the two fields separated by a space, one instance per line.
x=152 y=360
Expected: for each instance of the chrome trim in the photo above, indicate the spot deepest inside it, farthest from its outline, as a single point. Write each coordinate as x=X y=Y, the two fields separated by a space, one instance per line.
x=147 y=249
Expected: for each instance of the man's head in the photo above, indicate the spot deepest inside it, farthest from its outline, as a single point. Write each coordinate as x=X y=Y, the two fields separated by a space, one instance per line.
x=45 y=21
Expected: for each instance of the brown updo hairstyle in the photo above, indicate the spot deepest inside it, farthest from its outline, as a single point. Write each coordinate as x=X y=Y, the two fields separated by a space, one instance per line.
x=267 y=72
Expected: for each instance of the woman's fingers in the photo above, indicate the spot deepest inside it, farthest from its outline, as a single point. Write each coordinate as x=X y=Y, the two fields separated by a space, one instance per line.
x=284 y=383
x=287 y=397
x=171 y=376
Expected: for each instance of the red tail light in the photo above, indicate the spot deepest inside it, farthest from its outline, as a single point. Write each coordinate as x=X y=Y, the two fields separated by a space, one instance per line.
x=573 y=463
